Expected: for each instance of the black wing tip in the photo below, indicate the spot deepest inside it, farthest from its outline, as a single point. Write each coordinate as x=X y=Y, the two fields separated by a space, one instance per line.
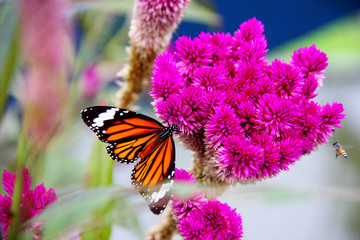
x=156 y=204
x=158 y=207
x=157 y=210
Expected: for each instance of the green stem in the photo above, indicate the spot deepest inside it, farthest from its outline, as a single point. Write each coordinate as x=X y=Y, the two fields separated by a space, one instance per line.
x=8 y=69
x=21 y=155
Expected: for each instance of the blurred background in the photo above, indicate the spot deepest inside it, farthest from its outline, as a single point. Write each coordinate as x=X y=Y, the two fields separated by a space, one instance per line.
x=318 y=198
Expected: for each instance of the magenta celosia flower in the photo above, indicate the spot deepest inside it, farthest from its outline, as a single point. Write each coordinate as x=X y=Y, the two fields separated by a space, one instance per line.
x=184 y=203
x=274 y=115
x=169 y=79
x=192 y=54
x=238 y=159
x=182 y=176
x=220 y=43
x=247 y=118
x=309 y=86
x=222 y=123
x=32 y=201
x=211 y=220
x=210 y=78
x=286 y=78
x=310 y=60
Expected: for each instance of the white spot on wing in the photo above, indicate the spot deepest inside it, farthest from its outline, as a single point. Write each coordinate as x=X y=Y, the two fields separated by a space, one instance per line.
x=109 y=114
x=156 y=196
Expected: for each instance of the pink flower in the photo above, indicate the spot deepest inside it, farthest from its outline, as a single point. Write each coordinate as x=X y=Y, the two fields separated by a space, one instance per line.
x=310 y=60
x=90 y=82
x=248 y=119
x=45 y=47
x=220 y=43
x=274 y=115
x=310 y=86
x=250 y=30
x=239 y=160
x=192 y=54
x=182 y=176
x=212 y=220
x=222 y=123
x=271 y=153
x=166 y=78
x=249 y=43
x=184 y=203
x=308 y=120
x=198 y=218
x=154 y=22
x=32 y=201
x=287 y=79
x=210 y=78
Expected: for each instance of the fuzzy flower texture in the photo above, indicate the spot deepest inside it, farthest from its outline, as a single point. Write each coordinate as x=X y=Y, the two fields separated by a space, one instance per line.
x=249 y=118
x=32 y=203
x=201 y=219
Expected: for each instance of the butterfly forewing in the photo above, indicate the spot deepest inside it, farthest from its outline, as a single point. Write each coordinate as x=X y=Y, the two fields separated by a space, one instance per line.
x=132 y=136
x=126 y=132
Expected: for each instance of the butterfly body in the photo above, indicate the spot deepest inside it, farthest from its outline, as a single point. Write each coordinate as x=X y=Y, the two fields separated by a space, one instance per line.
x=133 y=137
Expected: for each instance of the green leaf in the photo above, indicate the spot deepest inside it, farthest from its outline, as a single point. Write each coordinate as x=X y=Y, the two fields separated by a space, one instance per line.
x=100 y=167
x=198 y=13
x=99 y=173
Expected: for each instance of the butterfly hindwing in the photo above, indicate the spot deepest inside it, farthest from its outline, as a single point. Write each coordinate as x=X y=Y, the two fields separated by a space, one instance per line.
x=154 y=175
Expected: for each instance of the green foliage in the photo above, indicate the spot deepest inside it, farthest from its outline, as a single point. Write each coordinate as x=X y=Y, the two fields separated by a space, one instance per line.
x=9 y=43
x=77 y=211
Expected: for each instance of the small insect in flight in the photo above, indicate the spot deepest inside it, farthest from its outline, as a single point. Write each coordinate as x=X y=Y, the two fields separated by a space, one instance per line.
x=339 y=150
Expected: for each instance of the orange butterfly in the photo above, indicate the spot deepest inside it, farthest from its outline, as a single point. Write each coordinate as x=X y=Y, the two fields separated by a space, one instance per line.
x=136 y=137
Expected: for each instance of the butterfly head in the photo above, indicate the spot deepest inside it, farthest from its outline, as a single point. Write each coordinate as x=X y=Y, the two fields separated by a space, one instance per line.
x=174 y=128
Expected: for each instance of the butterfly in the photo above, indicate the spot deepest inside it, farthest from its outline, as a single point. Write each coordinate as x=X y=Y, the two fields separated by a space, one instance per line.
x=134 y=137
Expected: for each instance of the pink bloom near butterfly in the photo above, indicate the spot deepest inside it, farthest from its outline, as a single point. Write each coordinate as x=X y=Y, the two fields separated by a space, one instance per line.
x=182 y=205
x=32 y=202
x=249 y=119
x=211 y=220
x=199 y=218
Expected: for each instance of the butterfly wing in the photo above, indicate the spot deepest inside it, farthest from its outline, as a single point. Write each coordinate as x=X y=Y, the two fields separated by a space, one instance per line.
x=133 y=136
x=127 y=132
x=154 y=175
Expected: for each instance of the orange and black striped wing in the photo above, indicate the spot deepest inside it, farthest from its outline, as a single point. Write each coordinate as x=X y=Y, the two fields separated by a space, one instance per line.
x=154 y=174
x=128 y=133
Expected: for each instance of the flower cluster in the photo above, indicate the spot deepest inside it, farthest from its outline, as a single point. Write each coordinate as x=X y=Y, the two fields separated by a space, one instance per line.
x=249 y=117
x=32 y=202
x=198 y=218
